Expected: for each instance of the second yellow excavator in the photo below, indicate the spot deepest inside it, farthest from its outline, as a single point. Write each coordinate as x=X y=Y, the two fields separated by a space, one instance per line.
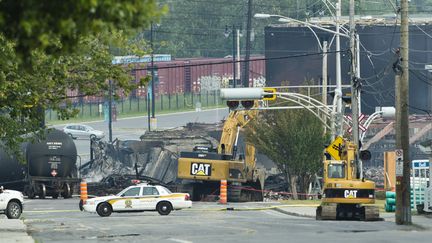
x=345 y=194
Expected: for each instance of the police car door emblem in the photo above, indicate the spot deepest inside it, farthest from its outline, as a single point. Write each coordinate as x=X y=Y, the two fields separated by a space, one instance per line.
x=128 y=203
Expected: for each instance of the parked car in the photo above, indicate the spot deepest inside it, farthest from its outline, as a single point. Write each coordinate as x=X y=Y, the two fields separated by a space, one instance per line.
x=138 y=198
x=11 y=203
x=82 y=131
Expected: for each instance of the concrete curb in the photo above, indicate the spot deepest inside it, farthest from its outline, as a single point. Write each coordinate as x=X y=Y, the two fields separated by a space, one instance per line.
x=280 y=210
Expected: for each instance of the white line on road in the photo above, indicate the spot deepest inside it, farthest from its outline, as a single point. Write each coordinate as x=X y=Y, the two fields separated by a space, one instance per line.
x=179 y=240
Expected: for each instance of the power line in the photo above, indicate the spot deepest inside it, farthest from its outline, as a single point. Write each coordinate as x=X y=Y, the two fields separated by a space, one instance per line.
x=241 y=61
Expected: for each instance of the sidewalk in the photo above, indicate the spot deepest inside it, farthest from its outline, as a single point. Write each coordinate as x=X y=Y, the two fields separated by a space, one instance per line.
x=13 y=230
x=420 y=221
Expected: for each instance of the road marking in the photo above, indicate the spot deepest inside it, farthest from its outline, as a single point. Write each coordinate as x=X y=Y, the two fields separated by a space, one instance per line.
x=275 y=213
x=52 y=211
x=179 y=240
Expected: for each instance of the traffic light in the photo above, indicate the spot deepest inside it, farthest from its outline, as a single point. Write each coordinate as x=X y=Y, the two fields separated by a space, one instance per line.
x=233 y=104
x=246 y=96
x=270 y=94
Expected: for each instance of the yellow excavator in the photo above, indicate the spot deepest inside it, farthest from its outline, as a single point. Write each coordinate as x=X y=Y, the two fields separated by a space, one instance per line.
x=345 y=194
x=206 y=167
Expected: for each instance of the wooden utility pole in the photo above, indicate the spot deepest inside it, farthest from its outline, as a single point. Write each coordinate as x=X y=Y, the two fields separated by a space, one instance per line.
x=403 y=204
x=355 y=82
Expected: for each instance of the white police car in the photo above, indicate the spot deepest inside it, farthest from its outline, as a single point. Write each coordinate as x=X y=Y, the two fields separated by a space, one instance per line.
x=138 y=198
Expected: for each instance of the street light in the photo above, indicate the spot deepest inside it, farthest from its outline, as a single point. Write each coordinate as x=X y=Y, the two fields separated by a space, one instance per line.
x=310 y=26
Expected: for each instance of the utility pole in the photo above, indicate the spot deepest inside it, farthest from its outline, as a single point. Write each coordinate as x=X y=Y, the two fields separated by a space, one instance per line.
x=110 y=111
x=403 y=204
x=248 y=46
x=153 y=118
x=355 y=82
x=234 y=32
x=324 y=80
x=238 y=53
x=338 y=70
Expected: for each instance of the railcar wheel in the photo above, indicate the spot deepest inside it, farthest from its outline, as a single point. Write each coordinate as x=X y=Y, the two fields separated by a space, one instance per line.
x=67 y=191
x=42 y=193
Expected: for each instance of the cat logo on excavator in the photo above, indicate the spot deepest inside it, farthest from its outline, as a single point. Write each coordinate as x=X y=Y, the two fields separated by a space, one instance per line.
x=350 y=193
x=201 y=169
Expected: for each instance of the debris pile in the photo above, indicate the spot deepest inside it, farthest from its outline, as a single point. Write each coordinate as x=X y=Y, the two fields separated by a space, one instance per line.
x=375 y=174
x=154 y=157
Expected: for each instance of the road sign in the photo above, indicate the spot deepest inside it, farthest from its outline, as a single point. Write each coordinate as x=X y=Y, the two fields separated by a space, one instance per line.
x=399 y=162
x=361 y=127
x=335 y=148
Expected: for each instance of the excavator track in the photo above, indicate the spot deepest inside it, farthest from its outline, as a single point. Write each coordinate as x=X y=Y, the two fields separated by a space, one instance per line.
x=347 y=212
x=326 y=212
x=371 y=213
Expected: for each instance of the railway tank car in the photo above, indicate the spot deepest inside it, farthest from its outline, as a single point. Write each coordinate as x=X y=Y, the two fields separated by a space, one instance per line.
x=50 y=168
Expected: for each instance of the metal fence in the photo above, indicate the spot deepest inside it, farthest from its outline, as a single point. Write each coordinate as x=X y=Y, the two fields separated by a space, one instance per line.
x=139 y=105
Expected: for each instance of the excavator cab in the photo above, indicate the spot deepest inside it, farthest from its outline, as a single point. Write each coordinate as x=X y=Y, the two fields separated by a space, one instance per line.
x=336 y=170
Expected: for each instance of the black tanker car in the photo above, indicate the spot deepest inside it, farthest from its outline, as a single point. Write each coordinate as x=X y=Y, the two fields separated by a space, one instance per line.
x=50 y=168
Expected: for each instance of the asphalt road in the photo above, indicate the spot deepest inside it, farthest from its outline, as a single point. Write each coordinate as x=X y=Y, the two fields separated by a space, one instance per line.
x=60 y=221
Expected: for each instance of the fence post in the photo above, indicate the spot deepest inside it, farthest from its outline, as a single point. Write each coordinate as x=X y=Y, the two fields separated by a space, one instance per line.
x=177 y=104
x=184 y=99
x=169 y=101
x=138 y=100
x=82 y=108
x=161 y=101
x=122 y=101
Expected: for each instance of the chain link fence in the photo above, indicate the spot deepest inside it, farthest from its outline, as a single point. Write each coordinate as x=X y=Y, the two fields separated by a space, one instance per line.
x=130 y=106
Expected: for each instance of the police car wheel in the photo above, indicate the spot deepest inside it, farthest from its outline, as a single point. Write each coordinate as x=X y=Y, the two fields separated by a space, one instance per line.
x=104 y=210
x=164 y=208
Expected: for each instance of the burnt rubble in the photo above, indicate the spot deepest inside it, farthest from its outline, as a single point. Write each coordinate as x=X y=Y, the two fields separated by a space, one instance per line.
x=152 y=158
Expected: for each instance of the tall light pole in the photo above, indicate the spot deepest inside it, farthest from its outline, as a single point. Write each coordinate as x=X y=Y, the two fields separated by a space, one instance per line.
x=338 y=98
x=338 y=61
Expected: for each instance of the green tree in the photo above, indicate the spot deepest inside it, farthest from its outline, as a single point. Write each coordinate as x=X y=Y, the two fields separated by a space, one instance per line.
x=50 y=47
x=294 y=140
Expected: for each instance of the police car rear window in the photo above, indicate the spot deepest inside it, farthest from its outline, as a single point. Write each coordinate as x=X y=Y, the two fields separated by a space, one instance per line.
x=150 y=191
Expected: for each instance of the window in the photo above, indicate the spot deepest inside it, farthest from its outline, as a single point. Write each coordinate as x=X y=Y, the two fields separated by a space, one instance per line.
x=165 y=190
x=150 y=191
x=336 y=171
x=133 y=192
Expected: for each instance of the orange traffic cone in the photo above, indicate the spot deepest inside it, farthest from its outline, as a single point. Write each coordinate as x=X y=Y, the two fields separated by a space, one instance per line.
x=83 y=186
x=223 y=192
